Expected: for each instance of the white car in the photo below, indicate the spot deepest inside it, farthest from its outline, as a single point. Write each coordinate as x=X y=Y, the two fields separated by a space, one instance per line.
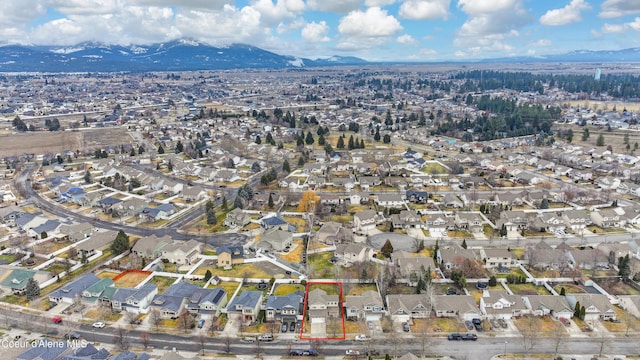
x=361 y=337
x=98 y=325
x=352 y=352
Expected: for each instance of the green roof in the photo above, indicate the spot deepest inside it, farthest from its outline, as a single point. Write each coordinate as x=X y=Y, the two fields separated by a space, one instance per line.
x=97 y=288
x=18 y=278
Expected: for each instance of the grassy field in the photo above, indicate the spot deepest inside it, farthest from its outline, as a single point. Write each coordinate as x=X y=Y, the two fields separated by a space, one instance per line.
x=104 y=314
x=107 y=274
x=544 y=326
x=286 y=289
x=359 y=289
x=162 y=282
x=320 y=264
x=238 y=271
x=130 y=280
x=229 y=287
x=528 y=289
x=330 y=289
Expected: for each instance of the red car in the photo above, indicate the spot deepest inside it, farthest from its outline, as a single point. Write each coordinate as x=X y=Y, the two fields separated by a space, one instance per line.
x=56 y=319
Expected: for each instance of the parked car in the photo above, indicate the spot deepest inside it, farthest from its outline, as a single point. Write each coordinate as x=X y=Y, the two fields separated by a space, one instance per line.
x=469 y=325
x=296 y=353
x=405 y=327
x=372 y=353
x=352 y=352
x=503 y=323
x=452 y=291
x=361 y=337
x=477 y=323
x=565 y=321
x=265 y=337
x=72 y=336
x=454 y=336
x=200 y=323
x=56 y=319
x=98 y=324
x=370 y=325
x=284 y=327
x=292 y=326
x=310 y=352
x=472 y=337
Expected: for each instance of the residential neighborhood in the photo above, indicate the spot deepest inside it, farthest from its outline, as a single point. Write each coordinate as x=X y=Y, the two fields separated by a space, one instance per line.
x=270 y=218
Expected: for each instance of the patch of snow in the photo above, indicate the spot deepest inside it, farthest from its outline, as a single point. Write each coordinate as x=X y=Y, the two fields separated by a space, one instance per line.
x=138 y=49
x=67 y=50
x=92 y=56
x=297 y=62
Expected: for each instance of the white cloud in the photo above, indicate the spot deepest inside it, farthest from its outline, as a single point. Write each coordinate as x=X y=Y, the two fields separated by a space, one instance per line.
x=374 y=22
x=84 y=7
x=183 y=4
x=15 y=15
x=406 y=39
x=335 y=6
x=315 y=32
x=272 y=14
x=490 y=23
x=542 y=43
x=371 y=3
x=616 y=8
x=566 y=15
x=425 y=9
x=621 y=28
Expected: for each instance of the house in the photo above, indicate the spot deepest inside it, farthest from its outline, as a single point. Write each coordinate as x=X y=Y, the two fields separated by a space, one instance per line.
x=543 y=305
x=597 y=306
x=412 y=265
x=285 y=308
x=453 y=256
x=160 y=212
x=576 y=220
x=247 y=304
x=196 y=300
x=76 y=232
x=586 y=258
x=409 y=306
x=543 y=257
x=15 y=281
x=181 y=252
x=276 y=239
x=352 y=252
x=390 y=200
x=275 y=221
x=328 y=232
x=367 y=306
x=498 y=258
x=68 y=292
x=95 y=291
x=136 y=300
x=365 y=221
x=451 y=201
x=630 y=304
x=461 y=306
x=194 y=193
x=470 y=221
x=498 y=304
x=608 y=218
x=439 y=224
x=97 y=241
x=150 y=247
x=417 y=197
x=29 y=221
x=322 y=306
x=229 y=256
x=237 y=218
x=406 y=219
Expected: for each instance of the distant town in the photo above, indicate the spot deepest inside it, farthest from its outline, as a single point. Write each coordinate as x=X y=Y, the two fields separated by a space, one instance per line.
x=365 y=212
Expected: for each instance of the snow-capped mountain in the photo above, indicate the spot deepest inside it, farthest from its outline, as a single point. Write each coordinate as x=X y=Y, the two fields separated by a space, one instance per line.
x=176 y=55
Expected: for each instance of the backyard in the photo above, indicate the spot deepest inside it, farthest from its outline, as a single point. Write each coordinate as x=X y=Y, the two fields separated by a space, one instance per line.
x=238 y=271
x=286 y=289
x=131 y=279
x=528 y=289
x=162 y=282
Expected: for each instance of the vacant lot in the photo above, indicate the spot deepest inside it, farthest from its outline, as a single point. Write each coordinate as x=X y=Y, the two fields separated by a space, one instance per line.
x=131 y=279
x=42 y=142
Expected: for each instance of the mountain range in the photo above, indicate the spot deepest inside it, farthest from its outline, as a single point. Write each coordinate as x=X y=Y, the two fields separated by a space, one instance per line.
x=185 y=55
x=178 y=55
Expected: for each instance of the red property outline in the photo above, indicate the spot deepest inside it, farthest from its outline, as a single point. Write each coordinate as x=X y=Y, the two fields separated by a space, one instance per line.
x=340 y=305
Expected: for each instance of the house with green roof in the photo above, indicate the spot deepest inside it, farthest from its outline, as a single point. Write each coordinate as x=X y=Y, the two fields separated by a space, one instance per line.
x=93 y=292
x=15 y=281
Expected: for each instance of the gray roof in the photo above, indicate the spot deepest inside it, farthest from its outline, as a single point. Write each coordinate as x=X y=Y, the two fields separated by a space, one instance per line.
x=280 y=302
x=247 y=299
x=51 y=350
x=76 y=287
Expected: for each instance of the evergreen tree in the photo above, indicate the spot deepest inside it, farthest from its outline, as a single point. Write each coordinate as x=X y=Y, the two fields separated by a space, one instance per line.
x=562 y=291
x=386 y=138
x=387 y=249
x=309 y=140
x=493 y=281
x=576 y=310
x=269 y=139
x=600 y=140
x=140 y=150
x=544 y=204
x=585 y=134
x=464 y=243
x=160 y=149
x=224 y=204
x=32 y=289
x=624 y=268
x=286 y=168
x=340 y=144
x=321 y=140
x=87 y=177
x=376 y=136
x=436 y=248
x=120 y=244
x=270 y=202
x=207 y=275
x=237 y=203
x=351 y=145
x=179 y=147
x=258 y=140
x=211 y=217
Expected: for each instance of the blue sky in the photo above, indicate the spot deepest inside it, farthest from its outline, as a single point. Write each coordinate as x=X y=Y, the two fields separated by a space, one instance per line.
x=403 y=30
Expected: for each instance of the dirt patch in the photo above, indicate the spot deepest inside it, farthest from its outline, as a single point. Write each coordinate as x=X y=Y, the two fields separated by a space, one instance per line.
x=42 y=142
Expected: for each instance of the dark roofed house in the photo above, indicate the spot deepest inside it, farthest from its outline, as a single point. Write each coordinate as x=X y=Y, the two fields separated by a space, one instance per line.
x=229 y=256
x=68 y=292
x=284 y=308
x=247 y=304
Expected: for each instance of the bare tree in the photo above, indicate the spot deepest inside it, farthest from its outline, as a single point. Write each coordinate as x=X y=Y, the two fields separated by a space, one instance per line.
x=227 y=344
x=258 y=348
x=424 y=338
x=120 y=338
x=530 y=333
x=559 y=335
x=185 y=319
x=144 y=339
x=130 y=317
x=155 y=317
x=213 y=326
x=202 y=340
x=603 y=341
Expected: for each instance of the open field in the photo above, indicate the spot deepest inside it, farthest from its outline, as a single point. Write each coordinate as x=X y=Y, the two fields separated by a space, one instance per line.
x=131 y=279
x=42 y=142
